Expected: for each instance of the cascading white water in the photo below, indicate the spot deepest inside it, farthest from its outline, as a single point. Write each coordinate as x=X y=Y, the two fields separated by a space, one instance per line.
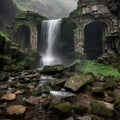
x=50 y=33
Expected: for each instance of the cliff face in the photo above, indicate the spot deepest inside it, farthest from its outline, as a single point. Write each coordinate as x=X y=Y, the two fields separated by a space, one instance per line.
x=7 y=11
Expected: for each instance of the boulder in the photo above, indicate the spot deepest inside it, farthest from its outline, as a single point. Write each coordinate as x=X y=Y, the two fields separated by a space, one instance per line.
x=57 y=84
x=16 y=110
x=110 y=84
x=62 y=108
x=9 y=97
x=33 y=100
x=109 y=99
x=19 y=92
x=85 y=118
x=41 y=89
x=45 y=101
x=78 y=80
x=98 y=91
x=53 y=69
x=3 y=87
x=102 y=109
x=79 y=108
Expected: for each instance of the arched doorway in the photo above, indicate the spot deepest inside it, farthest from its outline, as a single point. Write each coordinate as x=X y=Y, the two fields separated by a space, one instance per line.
x=22 y=37
x=94 y=35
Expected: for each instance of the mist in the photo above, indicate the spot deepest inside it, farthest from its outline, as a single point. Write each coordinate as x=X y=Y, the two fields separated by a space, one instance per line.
x=49 y=8
x=7 y=12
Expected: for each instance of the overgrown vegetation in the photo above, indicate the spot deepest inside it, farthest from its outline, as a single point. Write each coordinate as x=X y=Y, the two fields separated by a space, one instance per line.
x=12 y=57
x=96 y=68
x=78 y=11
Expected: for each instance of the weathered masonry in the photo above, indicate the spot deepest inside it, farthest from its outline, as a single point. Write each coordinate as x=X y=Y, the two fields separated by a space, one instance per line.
x=25 y=30
x=97 y=29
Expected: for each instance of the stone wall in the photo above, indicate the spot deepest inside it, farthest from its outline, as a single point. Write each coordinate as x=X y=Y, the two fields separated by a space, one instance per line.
x=32 y=21
x=97 y=11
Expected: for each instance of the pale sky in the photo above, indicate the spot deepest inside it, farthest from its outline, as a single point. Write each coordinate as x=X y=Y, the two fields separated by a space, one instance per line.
x=50 y=8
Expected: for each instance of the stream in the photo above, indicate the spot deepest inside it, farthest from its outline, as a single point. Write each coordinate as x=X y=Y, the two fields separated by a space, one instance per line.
x=33 y=90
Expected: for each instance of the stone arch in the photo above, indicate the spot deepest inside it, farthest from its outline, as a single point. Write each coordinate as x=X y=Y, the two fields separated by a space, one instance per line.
x=22 y=36
x=94 y=37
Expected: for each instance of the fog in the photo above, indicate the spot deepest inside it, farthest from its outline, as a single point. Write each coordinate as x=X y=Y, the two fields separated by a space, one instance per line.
x=49 y=8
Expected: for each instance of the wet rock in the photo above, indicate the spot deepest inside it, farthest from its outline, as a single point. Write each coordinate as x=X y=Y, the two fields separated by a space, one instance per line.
x=102 y=109
x=16 y=110
x=41 y=89
x=9 y=97
x=21 y=86
x=109 y=99
x=19 y=92
x=98 y=91
x=72 y=99
x=33 y=100
x=25 y=80
x=62 y=108
x=85 y=118
x=45 y=101
x=57 y=84
x=53 y=69
x=77 y=81
x=31 y=87
x=3 y=87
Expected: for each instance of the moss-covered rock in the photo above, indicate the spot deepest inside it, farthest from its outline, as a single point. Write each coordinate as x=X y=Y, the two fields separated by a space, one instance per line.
x=100 y=109
x=53 y=69
x=62 y=108
x=15 y=68
x=110 y=84
x=57 y=84
x=78 y=80
x=109 y=99
x=98 y=91
x=79 y=108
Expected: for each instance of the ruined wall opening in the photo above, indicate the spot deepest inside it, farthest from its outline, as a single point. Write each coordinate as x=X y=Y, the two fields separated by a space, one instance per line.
x=94 y=36
x=22 y=37
x=65 y=45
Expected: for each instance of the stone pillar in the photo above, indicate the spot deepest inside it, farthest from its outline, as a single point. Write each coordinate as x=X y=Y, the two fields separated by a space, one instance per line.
x=33 y=38
x=79 y=40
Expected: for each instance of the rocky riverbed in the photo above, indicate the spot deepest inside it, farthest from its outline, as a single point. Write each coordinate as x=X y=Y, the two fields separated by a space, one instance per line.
x=58 y=94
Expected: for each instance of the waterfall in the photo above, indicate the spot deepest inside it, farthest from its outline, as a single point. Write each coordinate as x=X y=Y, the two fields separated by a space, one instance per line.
x=50 y=32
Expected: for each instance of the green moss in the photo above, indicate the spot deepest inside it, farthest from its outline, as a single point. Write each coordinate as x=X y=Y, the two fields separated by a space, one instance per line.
x=96 y=68
x=98 y=91
x=79 y=108
x=100 y=109
x=78 y=11
x=5 y=37
x=64 y=108
x=53 y=69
